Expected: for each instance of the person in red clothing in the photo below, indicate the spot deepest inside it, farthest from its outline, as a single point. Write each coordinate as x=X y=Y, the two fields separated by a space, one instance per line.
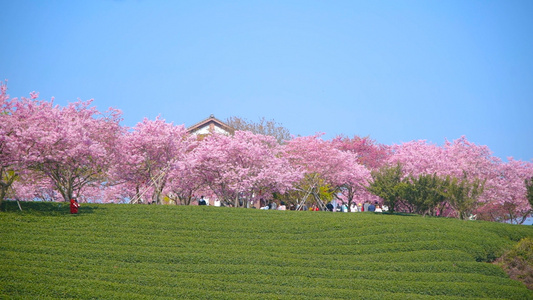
x=74 y=206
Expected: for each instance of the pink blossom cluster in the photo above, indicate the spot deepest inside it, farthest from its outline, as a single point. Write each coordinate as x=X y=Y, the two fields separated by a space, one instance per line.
x=504 y=181
x=54 y=153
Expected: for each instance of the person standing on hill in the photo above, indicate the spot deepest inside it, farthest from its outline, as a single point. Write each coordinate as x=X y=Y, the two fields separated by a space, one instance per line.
x=201 y=201
x=344 y=207
x=74 y=206
x=334 y=205
x=273 y=205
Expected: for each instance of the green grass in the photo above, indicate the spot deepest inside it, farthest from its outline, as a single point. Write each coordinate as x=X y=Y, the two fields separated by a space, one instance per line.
x=179 y=252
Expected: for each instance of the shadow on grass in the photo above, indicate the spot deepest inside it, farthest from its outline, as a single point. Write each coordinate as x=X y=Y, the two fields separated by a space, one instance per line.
x=44 y=208
x=404 y=214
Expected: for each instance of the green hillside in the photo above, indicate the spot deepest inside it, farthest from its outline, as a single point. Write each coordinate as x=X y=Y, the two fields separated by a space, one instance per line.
x=194 y=252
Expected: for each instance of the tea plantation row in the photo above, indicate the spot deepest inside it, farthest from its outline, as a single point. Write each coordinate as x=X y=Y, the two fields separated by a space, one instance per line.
x=193 y=252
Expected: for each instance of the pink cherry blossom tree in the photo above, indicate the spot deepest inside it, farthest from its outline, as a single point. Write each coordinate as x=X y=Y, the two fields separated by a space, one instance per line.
x=462 y=159
x=148 y=154
x=458 y=160
x=326 y=170
x=17 y=180
x=185 y=181
x=243 y=166
x=73 y=146
x=510 y=192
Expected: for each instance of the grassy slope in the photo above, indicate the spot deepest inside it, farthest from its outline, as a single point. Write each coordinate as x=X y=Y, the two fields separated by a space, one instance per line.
x=134 y=251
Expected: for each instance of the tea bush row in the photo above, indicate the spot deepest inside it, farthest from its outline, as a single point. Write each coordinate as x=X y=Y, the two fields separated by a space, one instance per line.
x=158 y=285
x=244 y=255
x=161 y=270
x=485 y=250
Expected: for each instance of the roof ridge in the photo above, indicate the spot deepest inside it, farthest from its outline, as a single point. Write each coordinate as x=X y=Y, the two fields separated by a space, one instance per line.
x=222 y=124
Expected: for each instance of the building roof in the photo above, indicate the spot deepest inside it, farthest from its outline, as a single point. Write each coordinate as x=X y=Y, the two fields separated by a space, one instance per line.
x=210 y=125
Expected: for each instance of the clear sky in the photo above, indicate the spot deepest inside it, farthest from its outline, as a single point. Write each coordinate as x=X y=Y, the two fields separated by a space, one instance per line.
x=393 y=70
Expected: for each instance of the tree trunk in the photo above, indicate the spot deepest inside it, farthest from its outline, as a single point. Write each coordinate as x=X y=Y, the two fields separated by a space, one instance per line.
x=3 y=192
x=319 y=201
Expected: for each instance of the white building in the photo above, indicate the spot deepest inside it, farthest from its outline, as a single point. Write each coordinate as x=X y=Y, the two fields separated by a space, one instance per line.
x=210 y=125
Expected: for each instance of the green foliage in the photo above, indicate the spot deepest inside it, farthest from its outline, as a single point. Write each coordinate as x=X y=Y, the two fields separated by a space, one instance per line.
x=425 y=193
x=194 y=252
x=325 y=192
x=518 y=262
x=387 y=184
x=462 y=194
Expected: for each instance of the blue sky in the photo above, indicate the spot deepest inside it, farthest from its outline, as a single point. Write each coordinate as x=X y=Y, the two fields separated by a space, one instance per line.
x=393 y=70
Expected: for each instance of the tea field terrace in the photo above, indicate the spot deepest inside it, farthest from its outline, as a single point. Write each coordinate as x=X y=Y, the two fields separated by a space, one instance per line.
x=112 y=251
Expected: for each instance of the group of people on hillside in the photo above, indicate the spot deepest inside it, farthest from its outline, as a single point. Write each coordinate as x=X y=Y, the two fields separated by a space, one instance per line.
x=356 y=207
x=273 y=205
x=332 y=206
x=204 y=201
